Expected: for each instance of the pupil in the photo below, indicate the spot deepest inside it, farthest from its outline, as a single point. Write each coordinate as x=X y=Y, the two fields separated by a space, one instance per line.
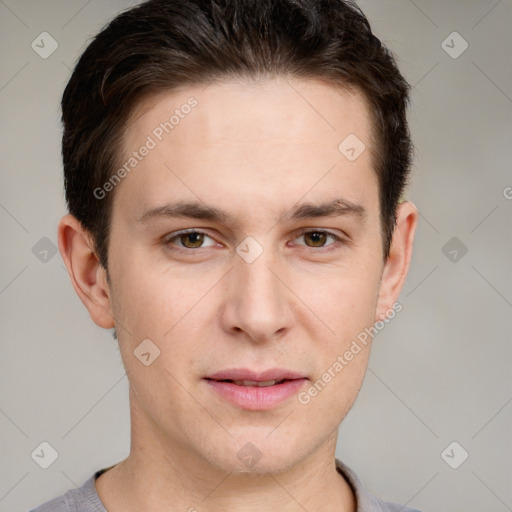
x=318 y=238
x=196 y=239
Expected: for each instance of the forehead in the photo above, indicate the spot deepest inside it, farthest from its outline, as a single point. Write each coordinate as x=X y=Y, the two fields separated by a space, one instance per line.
x=244 y=110
x=269 y=142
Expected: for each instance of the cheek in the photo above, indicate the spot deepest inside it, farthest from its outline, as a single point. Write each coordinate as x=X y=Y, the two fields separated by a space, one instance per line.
x=153 y=305
x=150 y=299
x=344 y=303
x=343 y=299
x=157 y=304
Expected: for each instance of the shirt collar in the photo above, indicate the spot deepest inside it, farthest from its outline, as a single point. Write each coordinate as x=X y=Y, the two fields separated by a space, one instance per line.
x=365 y=501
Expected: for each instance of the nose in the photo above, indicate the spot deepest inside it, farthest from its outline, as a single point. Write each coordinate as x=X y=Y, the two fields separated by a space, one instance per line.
x=258 y=302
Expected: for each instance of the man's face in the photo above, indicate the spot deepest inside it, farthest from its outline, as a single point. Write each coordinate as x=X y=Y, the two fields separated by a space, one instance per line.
x=216 y=300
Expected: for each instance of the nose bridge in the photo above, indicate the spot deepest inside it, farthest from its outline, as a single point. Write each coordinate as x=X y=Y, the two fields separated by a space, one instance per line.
x=259 y=280
x=259 y=298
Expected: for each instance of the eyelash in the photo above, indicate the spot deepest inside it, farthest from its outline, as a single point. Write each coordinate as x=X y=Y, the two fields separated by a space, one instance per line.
x=169 y=240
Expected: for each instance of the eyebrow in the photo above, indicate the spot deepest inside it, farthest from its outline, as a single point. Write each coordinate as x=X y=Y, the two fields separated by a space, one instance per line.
x=197 y=210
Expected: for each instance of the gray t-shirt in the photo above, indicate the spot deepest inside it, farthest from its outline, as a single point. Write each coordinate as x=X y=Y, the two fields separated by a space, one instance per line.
x=86 y=499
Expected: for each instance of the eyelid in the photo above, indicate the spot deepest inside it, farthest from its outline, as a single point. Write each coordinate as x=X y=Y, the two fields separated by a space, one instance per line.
x=168 y=239
x=304 y=231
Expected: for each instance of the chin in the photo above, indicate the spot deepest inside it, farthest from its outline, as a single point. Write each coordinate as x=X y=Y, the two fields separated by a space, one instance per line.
x=256 y=455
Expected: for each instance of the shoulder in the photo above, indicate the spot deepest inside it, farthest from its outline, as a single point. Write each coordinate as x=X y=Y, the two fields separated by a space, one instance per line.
x=82 y=499
x=366 y=502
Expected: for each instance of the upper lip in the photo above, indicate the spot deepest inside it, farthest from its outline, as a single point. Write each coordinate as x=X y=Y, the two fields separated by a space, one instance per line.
x=264 y=376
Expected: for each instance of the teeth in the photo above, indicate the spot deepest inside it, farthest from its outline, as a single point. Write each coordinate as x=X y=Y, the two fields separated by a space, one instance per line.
x=255 y=383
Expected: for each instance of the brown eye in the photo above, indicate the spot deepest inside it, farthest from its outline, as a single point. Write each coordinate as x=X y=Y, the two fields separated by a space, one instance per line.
x=192 y=240
x=318 y=238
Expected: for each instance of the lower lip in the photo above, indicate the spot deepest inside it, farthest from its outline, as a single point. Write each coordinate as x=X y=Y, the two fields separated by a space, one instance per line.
x=256 y=398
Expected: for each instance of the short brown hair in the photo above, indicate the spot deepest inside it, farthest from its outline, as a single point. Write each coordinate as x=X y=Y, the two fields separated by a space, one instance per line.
x=164 y=44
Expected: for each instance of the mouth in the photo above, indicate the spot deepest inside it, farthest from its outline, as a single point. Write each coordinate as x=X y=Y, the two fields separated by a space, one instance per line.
x=249 y=390
x=250 y=377
x=260 y=384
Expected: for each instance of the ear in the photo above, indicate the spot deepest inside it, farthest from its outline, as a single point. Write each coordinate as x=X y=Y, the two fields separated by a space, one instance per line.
x=397 y=264
x=88 y=277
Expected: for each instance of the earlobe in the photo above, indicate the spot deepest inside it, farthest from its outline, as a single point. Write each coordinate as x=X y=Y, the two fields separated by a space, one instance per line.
x=399 y=259
x=87 y=276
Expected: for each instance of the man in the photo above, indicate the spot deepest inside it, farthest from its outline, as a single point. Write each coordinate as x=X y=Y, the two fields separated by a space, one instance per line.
x=233 y=173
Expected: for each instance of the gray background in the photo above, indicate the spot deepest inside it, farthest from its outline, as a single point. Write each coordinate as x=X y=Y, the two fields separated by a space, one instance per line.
x=438 y=373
